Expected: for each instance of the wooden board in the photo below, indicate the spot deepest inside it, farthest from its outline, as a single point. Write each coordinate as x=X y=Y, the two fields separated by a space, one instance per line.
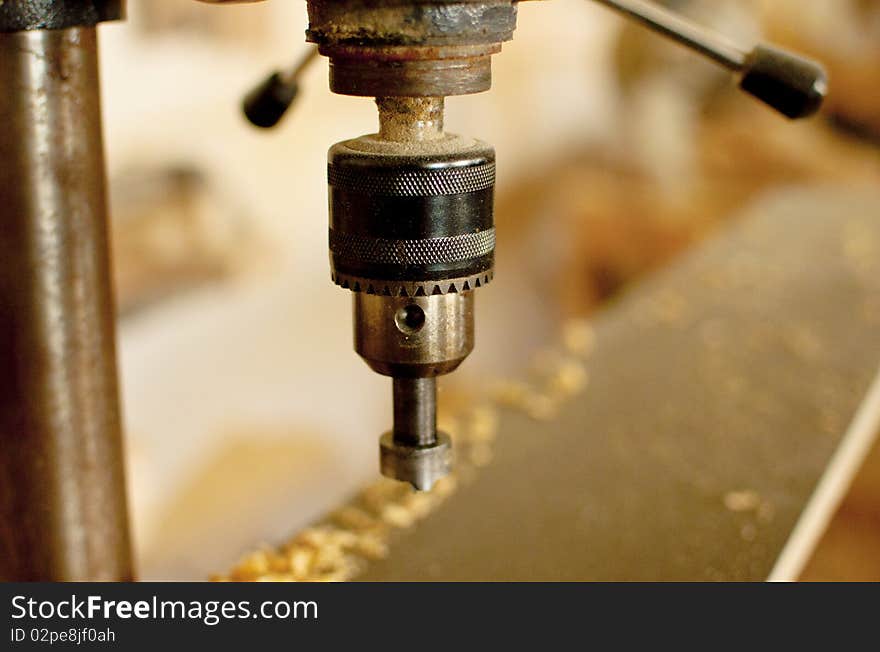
x=723 y=394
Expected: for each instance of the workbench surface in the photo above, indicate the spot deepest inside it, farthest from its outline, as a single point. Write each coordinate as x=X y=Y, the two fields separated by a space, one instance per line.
x=719 y=393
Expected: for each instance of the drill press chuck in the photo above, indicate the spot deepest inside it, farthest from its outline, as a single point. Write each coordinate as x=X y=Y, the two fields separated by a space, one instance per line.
x=412 y=235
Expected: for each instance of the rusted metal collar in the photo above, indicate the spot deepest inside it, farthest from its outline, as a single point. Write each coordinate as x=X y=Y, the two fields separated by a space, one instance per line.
x=410 y=48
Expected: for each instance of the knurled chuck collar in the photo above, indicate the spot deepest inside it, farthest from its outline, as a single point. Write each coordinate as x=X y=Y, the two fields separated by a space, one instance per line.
x=410 y=223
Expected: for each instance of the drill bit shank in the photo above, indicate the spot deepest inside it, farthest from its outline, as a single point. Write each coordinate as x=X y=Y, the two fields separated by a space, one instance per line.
x=415 y=411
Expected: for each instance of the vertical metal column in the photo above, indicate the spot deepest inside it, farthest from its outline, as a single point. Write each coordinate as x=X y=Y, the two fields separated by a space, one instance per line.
x=63 y=509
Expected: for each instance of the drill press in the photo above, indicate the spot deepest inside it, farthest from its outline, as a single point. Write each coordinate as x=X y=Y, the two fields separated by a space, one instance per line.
x=411 y=235
x=411 y=207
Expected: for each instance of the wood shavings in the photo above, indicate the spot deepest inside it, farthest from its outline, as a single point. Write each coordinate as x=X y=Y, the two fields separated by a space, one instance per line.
x=557 y=376
x=372 y=547
x=300 y=560
x=578 y=338
x=742 y=501
x=445 y=487
x=748 y=501
x=766 y=512
x=418 y=504
x=398 y=516
x=748 y=532
x=450 y=426
x=483 y=424
x=510 y=393
x=481 y=455
x=570 y=379
x=354 y=518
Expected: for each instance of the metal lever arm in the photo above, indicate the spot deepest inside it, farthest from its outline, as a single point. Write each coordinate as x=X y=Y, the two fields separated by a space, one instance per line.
x=266 y=104
x=791 y=84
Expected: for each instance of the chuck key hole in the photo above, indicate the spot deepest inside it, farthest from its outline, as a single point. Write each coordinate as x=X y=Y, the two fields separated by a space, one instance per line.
x=410 y=319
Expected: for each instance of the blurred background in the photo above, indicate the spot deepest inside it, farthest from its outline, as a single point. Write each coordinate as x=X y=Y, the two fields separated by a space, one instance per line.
x=248 y=413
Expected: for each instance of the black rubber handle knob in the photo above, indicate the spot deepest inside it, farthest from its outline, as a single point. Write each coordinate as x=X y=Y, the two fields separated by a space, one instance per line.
x=266 y=104
x=793 y=85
